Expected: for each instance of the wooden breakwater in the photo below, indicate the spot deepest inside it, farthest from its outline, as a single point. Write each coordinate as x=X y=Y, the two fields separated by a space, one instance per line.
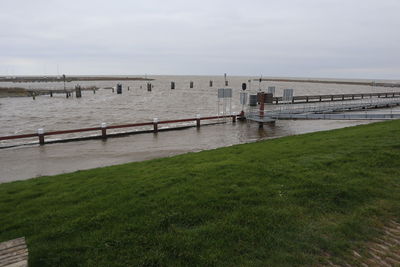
x=30 y=79
x=21 y=92
x=372 y=83
x=13 y=92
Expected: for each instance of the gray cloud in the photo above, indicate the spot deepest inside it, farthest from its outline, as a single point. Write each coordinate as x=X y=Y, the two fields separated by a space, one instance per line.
x=328 y=38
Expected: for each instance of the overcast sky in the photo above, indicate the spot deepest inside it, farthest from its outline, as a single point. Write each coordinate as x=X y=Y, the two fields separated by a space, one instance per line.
x=303 y=38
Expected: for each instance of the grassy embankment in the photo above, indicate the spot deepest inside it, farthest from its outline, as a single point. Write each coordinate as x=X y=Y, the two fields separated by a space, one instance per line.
x=288 y=201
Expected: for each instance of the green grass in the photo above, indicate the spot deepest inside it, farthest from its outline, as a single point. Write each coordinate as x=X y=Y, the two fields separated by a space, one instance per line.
x=282 y=202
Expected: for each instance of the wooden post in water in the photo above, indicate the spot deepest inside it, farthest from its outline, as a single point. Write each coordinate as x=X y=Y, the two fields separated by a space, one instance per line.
x=40 y=132
x=104 y=130
x=78 y=91
x=211 y=83
x=226 y=81
x=51 y=93
x=119 y=89
x=172 y=85
x=198 y=120
x=155 y=125
x=262 y=99
x=191 y=84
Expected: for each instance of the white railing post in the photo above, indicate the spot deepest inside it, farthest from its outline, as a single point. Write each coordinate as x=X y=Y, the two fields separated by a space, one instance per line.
x=40 y=132
x=155 y=125
x=104 y=130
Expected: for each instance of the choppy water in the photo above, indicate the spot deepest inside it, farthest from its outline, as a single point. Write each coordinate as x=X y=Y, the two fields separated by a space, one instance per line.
x=25 y=115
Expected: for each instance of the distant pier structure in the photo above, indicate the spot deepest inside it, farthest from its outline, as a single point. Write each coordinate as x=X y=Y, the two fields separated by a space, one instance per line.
x=342 y=82
x=264 y=108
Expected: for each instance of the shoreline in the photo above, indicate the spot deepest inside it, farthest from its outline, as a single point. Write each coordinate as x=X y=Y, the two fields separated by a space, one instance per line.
x=301 y=200
x=56 y=158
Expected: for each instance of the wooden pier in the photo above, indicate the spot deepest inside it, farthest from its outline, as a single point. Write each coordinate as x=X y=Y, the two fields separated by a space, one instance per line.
x=24 y=92
x=69 y=92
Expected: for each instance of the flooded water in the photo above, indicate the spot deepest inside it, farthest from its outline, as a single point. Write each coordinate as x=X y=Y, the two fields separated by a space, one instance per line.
x=24 y=115
x=32 y=161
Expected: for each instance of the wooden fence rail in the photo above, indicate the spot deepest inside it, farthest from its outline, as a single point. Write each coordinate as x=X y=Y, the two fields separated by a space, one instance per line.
x=41 y=133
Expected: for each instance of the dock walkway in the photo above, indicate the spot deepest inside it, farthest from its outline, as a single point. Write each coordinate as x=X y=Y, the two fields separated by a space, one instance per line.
x=334 y=97
x=322 y=110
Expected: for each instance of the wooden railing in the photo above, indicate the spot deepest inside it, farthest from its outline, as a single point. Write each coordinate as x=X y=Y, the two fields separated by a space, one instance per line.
x=335 y=97
x=103 y=128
